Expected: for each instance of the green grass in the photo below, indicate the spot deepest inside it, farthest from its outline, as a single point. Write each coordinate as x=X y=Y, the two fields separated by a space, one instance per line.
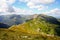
x=35 y=29
x=6 y=34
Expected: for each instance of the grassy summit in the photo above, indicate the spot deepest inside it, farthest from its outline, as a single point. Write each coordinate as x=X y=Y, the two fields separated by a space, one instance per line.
x=41 y=23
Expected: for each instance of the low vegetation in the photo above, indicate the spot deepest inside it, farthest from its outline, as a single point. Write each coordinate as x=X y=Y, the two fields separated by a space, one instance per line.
x=39 y=28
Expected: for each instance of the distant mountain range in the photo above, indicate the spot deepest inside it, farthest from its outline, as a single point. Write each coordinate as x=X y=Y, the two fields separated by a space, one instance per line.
x=11 y=19
x=19 y=19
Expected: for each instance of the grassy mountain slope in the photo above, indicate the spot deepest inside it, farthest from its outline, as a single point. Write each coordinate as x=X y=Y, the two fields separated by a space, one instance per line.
x=7 y=34
x=40 y=27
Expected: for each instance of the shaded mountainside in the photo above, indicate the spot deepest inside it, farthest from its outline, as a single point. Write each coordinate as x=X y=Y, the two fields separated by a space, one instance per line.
x=46 y=18
x=11 y=19
x=4 y=25
x=49 y=19
x=14 y=19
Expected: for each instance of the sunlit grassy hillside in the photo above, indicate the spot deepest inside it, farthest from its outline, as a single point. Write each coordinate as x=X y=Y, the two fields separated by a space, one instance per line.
x=38 y=25
x=38 y=28
x=6 y=34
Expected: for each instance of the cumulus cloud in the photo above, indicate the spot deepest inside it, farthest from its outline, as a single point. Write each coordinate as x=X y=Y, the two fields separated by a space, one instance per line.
x=10 y=1
x=54 y=12
x=39 y=7
x=31 y=5
x=39 y=1
x=13 y=10
x=7 y=1
x=5 y=5
x=22 y=11
x=6 y=8
x=36 y=4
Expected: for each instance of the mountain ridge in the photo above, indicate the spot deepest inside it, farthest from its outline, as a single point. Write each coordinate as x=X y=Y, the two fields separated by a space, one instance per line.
x=37 y=27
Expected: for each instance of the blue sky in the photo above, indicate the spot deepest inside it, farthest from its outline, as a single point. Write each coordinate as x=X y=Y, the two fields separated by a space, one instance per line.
x=49 y=7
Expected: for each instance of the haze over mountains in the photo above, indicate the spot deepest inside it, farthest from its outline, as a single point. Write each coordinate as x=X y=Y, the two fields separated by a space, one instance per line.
x=11 y=19
x=15 y=19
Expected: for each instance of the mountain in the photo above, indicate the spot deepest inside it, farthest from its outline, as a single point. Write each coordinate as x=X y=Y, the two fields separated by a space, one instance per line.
x=49 y=19
x=14 y=19
x=4 y=25
x=11 y=19
x=40 y=24
x=37 y=27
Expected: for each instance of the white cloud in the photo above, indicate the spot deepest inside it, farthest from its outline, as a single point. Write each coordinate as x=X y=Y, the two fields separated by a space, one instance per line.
x=24 y=0
x=6 y=8
x=36 y=4
x=54 y=12
x=39 y=1
x=5 y=5
x=31 y=5
x=11 y=1
x=22 y=11
x=43 y=1
x=7 y=1
x=14 y=10
x=41 y=7
x=38 y=7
